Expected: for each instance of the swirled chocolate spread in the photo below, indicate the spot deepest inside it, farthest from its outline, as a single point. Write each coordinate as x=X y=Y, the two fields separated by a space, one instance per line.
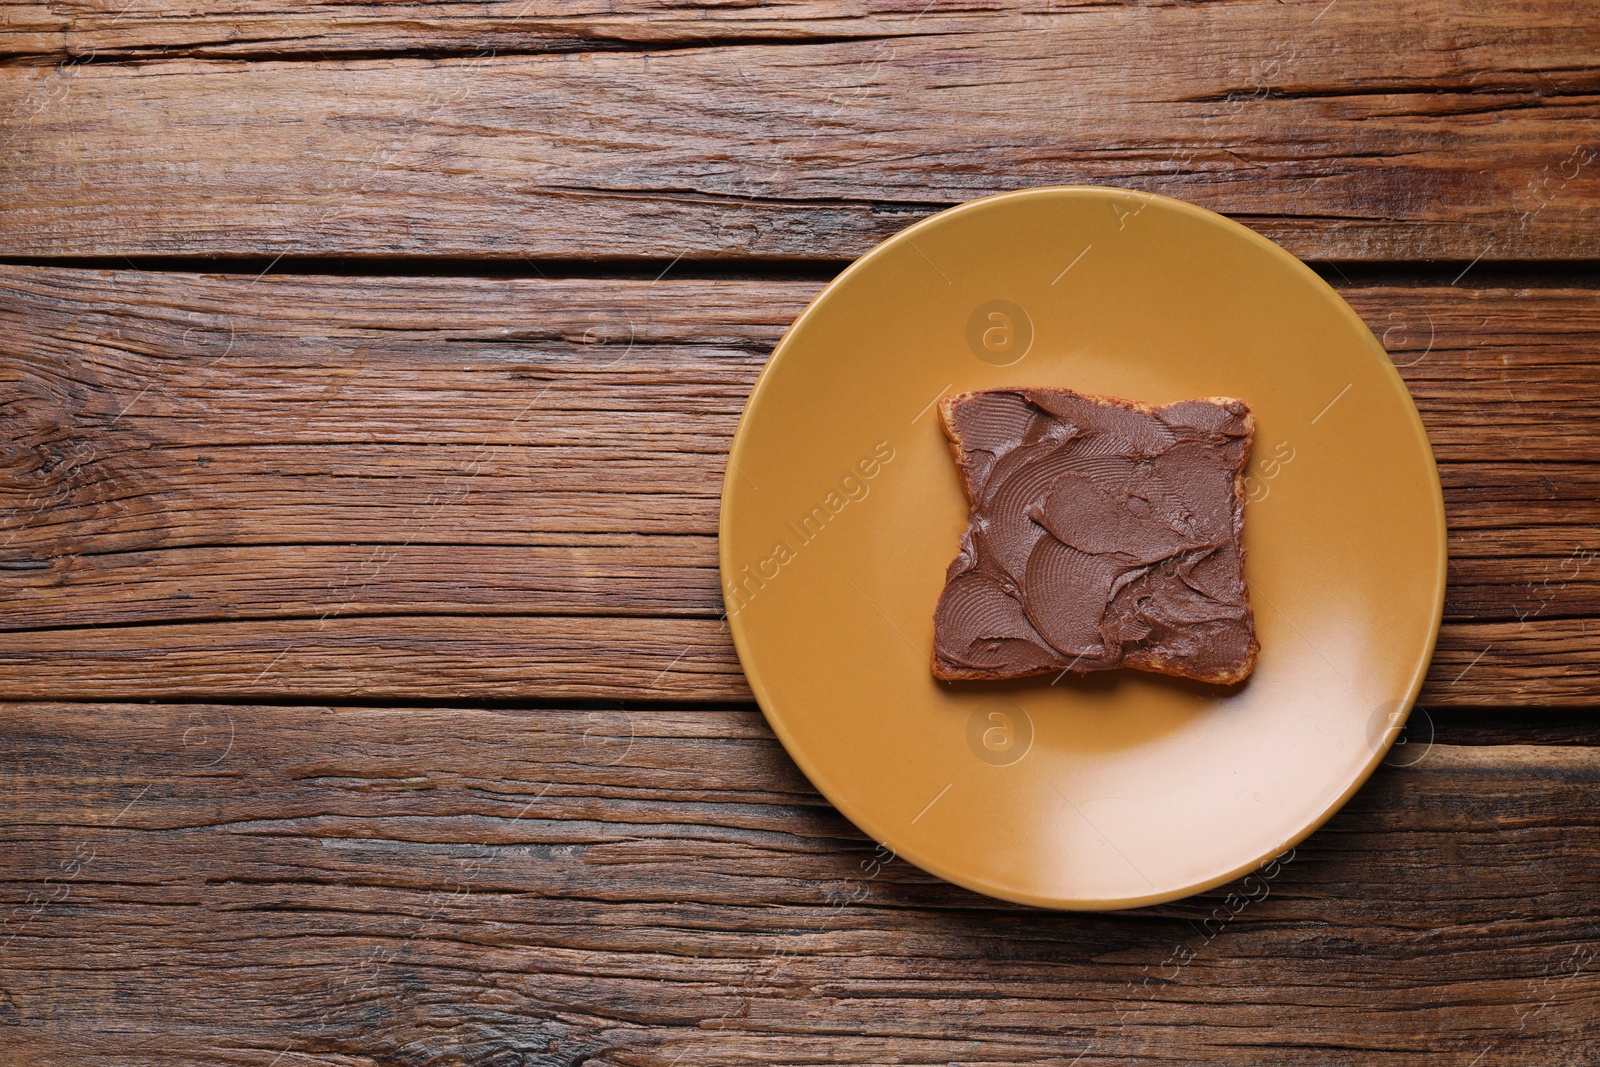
x=1103 y=533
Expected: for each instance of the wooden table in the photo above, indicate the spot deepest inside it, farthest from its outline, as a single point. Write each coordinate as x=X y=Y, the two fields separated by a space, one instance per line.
x=368 y=374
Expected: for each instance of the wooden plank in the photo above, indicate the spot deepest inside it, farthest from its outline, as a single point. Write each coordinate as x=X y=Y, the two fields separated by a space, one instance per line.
x=629 y=575
x=112 y=29
x=154 y=495
x=589 y=574
x=1566 y=582
x=1500 y=374
x=393 y=658
x=208 y=473
x=245 y=885
x=104 y=30
x=1540 y=662
x=1289 y=116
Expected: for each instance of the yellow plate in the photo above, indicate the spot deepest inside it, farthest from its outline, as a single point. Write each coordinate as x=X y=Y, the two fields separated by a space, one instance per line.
x=841 y=510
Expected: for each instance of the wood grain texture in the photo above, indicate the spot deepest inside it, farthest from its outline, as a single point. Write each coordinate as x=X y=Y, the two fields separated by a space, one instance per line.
x=238 y=496
x=300 y=487
x=393 y=658
x=1356 y=131
x=114 y=29
x=415 y=886
x=253 y=29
